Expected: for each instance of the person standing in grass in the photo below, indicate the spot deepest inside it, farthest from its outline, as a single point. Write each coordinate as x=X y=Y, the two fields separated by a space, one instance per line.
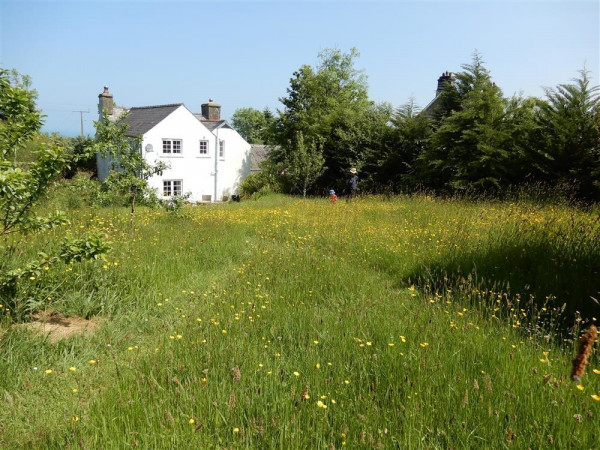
x=332 y=196
x=352 y=184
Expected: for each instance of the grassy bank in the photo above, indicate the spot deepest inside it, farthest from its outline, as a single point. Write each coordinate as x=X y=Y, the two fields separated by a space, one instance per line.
x=297 y=324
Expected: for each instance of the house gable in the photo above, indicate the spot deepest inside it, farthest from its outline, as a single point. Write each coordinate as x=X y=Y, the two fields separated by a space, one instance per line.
x=447 y=79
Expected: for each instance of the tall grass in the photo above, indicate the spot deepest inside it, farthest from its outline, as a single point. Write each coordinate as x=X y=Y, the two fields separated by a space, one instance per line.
x=286 y=323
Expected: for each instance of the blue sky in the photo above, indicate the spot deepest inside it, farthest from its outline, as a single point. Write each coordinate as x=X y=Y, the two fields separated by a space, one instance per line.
x=243 y=53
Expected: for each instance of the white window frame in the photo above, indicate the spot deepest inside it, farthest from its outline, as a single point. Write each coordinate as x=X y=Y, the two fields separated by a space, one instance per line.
x=222 y=149
x=204 y=151
x=171 y=146
x=171 y=191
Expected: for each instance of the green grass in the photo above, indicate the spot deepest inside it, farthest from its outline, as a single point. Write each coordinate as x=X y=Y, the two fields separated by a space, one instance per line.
x=249 y=318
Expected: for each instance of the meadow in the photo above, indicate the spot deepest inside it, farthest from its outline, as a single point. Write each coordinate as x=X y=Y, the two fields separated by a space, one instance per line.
x=403 y=322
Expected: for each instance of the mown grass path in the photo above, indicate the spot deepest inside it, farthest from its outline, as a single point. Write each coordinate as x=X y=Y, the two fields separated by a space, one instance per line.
x=292 y=324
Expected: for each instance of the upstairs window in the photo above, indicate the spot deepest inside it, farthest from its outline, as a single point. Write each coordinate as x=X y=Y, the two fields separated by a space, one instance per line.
x=204 y=147
x=172 y=146
x=221 y=149
x=172 y=188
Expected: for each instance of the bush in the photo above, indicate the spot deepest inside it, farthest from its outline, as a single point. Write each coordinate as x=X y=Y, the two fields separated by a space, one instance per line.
x=257 y=184
x=175 y=204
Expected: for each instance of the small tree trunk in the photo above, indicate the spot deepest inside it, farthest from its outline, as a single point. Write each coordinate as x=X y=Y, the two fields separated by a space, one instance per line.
x=132 y=210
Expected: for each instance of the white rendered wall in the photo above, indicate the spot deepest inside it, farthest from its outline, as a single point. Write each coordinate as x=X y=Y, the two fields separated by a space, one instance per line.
x=196 y=171
x=235 y=165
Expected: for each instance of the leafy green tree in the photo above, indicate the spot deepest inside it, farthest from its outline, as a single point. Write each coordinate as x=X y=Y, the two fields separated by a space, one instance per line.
x=254 y=126
x=520 y=133
x=21 y=188
x=305 y=164
x=327 y=104
x=130 y=172
x=394 y=165
x=569 y=122
x=471 y=148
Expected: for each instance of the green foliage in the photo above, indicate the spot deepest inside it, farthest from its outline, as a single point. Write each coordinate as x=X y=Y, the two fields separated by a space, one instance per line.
x=175 y=204
x=569 y=135
x=255 y=126
x=82 y=156
x=259 y=184
x=130 y=172
x=328 y=105
x=305 y=164
x=472 y=141
x=22 y=188
x=471 y=148
x=394 y=165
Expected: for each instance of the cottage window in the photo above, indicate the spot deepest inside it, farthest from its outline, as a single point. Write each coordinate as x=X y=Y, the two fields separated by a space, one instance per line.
x=204 y=147
x=222 y=149
x=172 y=188
x=172 y=146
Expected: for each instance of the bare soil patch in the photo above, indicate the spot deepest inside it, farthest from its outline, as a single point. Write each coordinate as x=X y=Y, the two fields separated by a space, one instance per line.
x=57 y=327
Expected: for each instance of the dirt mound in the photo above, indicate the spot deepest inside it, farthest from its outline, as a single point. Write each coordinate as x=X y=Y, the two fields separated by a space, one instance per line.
x=57 y=327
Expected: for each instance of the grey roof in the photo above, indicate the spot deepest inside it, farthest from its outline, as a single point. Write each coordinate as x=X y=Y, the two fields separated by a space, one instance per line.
x=211 y=124
x=432 y=106
x=143 y=119
x=258 y=153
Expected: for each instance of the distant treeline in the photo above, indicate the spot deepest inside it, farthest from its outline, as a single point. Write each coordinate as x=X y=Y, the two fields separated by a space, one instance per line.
x=471 y=138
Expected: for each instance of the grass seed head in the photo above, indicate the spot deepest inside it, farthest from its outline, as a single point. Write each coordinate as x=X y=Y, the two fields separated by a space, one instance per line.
x=586 y=343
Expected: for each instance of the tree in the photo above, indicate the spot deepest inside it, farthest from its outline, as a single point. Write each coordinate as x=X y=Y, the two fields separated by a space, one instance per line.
x=394 y=165
x=471 y=148
x=21 y=188
x=130 y=172
x=253 y=125
x=328 y=105
x=305 y=164
x=569 y=122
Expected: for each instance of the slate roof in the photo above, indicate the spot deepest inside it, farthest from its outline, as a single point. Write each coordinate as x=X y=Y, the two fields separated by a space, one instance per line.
x=143 y=119
x=211 y=124
x=258 y=153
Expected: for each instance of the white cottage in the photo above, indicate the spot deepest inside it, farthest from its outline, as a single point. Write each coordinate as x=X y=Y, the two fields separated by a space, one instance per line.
x=207 y=158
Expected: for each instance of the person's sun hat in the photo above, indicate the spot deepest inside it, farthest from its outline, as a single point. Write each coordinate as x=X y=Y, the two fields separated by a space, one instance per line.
x=353 y=170
x=331 y=192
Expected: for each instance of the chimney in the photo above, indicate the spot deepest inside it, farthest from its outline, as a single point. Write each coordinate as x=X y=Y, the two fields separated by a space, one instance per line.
x=443 y=82
x=211 y=110
x=105 y=102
